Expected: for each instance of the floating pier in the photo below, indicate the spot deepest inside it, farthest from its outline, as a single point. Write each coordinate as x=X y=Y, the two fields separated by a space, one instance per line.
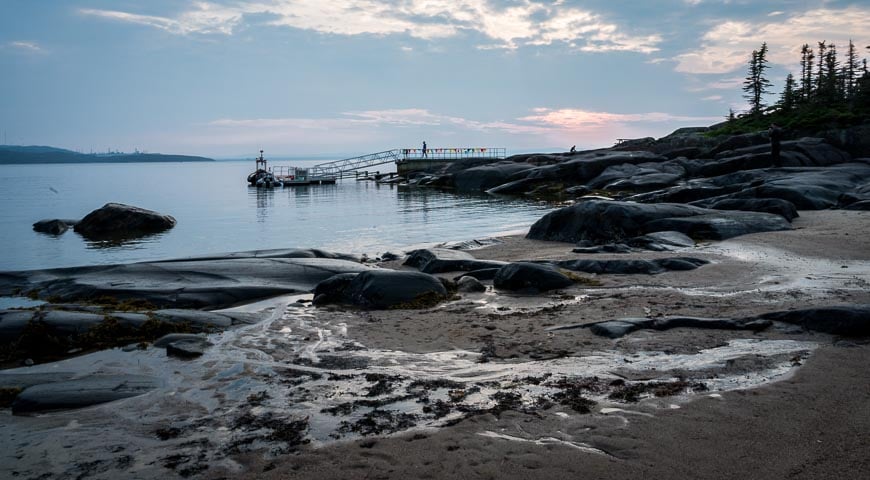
x=407 y=160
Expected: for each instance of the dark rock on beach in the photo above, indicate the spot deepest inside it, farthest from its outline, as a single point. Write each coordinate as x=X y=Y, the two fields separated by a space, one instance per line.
x=187 y=348
x=116 y=220
x=54 y=227
x=530 y=277
x=847 y=320
x=211 y=282
x=82 y=392
x=601 y=221
x=620 y=328
x=470 y=284
x=628 y=267
x=781 y=207
x=379 y=289
x=439 y=260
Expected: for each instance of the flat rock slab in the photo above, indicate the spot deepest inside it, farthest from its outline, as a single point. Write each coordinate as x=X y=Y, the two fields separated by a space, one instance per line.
x=621 y=327
x=628 y=267
x=847 y=320
x=83 y=392
x=439 y=260
x=196 y=318
x=209 y=283
x=25 y=380
x=723 y=225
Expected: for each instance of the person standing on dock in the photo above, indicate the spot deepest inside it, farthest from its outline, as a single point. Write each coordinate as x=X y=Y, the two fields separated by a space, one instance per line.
x=424 y=149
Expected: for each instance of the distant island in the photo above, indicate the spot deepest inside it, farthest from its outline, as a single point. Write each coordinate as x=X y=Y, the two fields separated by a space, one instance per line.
x=17 y=154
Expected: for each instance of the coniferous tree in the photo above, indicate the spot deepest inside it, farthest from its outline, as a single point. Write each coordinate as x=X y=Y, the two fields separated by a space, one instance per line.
x=756 y=85
x=851 y=70
x=820 y=75
x=807 y=57
x=832 y=85
x=788 y=98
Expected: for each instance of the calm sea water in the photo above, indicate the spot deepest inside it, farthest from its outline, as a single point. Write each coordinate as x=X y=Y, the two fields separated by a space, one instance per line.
x=218 y=212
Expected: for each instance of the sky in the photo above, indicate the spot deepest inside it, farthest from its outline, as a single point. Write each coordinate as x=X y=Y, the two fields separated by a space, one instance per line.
x=225 y=78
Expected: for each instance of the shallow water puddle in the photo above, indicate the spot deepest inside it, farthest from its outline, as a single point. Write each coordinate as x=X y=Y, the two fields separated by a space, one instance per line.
x=294 y=378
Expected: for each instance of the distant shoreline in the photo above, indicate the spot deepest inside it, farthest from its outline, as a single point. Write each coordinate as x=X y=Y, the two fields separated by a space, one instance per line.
x=32 y=155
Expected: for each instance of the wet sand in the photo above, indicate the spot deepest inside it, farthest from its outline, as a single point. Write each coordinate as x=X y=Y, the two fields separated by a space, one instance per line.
x=813 y=423
x=782 y=403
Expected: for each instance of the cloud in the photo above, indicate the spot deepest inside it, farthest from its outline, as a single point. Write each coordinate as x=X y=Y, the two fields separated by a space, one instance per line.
x=375 y=130
x=204 y=18
x=521 y=23
x=573 y=119
x=24 y=47
x=713 y=98
x=727 y=46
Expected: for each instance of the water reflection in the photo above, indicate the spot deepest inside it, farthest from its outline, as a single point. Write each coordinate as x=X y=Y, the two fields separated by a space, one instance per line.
x=225 y=214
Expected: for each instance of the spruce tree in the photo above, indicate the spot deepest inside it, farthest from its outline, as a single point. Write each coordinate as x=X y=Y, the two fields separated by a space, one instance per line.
x=788 y=98
x=851 y=69
x=820 y=76
x=807 y=57
x=756 y=85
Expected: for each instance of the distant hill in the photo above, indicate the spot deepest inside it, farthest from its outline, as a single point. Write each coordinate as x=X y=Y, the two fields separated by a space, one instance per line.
x=18 y=154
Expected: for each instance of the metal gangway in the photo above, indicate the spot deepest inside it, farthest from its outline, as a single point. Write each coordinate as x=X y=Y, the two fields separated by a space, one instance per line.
x=349 y=166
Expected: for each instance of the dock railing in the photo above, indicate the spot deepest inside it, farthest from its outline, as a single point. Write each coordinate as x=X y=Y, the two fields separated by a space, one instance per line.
x=452 y=153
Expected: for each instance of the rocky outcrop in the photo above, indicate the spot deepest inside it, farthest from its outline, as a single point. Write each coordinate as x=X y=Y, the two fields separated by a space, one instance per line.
x=656 y=242
x=530 y=277
x=118 y=221
x=624 y=326
x=781 y=207
x=54 y=227
x=438 y=260
x=846 y=320
x=629 y=267
x=380 y=289
x=602 y=221
x=722 y=225
x=213 y=282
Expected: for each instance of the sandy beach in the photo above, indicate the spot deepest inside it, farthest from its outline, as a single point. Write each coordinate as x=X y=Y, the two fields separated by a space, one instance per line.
x=503 y=385
x=809 y=423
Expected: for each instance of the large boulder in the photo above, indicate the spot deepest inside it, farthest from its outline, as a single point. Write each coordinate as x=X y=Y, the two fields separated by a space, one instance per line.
x=381 y=289
x=118 y=221
x=531 y=277
x=604 y=221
